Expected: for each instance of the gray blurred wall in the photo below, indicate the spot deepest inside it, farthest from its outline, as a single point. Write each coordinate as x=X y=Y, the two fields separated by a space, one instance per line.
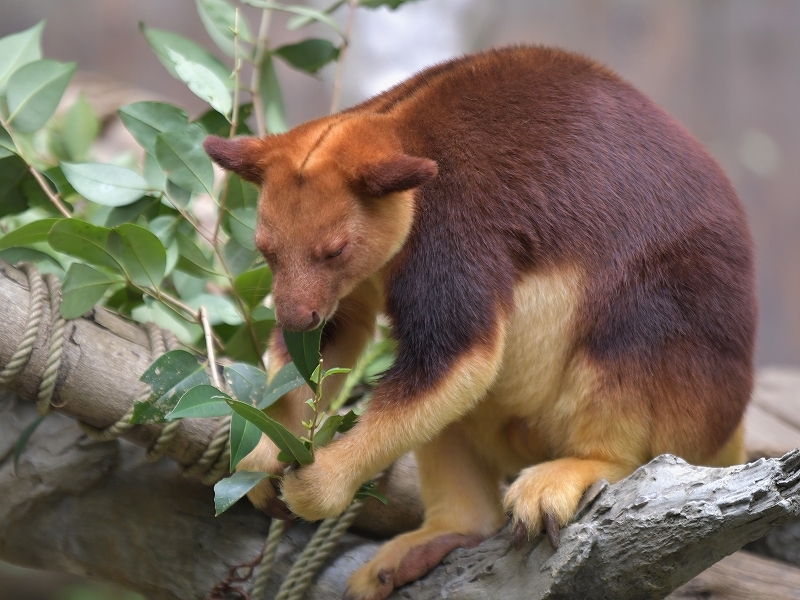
x=729 y=70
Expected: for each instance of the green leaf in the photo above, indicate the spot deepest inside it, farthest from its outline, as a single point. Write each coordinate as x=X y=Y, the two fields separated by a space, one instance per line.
x=26 y=434
x=242 y=223
x=161 y=40
x=335 y=371
x=145 y=120
x=247 y=345
x=7 y=146
x=220 y=309
x=83 y=288
x=201 y=402
x=19 y=49
x=238 y=258
x=327 y=430
x=303 y=347
x=34 y=91
x=270 y=89
x=202 y=82
x=253 y=286
x=192 y=260
x=244 y=437
x=216 y=124
x=370 y=490
x=309 y=55
x=262 y=313
x=247 y=383
x=105 y=184
x=170 y=377
x=302 y=11
x=297 y=22
x=180 y=154
x=146 y=207
x=152 y=311
x=230 y=490
x=32 y=233
x=83 y=241
x=79 y=129
x=140 y=252
x=219 y=19
x=240 y=193
x=282 y=437
x=285 y=380
x=44 y=261
x=13 y=173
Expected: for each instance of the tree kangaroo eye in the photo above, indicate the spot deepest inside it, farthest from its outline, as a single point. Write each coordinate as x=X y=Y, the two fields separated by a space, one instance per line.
x=337 y=253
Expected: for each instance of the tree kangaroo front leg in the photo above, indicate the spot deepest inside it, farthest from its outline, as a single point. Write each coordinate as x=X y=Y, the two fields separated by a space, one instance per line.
x=461 y=493
x=351 y=329
x=397 y=419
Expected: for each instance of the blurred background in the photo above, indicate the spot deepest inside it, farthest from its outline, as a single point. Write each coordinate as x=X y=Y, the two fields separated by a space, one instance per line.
x=729 y=70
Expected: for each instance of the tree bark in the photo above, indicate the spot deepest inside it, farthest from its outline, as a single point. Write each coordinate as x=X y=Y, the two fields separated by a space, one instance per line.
x=100 y=509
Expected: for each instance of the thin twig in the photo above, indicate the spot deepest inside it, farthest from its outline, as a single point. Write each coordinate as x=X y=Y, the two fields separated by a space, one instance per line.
x=54 y=198
x=237 y=65
x=255 y=79
x=212 y=360
x=337 y=80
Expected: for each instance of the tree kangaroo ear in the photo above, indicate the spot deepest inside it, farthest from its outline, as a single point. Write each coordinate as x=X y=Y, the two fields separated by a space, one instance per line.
x=395 y=174
x=241 y=155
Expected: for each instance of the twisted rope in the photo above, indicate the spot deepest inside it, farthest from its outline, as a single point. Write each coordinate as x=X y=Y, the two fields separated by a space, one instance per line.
x=276 y=528
x=35 y=310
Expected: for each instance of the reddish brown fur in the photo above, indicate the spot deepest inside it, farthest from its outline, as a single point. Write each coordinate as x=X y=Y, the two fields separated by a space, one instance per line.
x=523 y=162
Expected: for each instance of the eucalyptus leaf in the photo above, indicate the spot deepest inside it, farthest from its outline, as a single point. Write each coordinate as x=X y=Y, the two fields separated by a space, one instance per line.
x=7 y=146
x=201 y=402
x=13 y=172
x=248 y=383
x=169 y=377
x=79 y=129
x=282 y=437
x=34 y=91
x=202 y=82
x=370 y=490
x=45 y=262
x=145 y=120
x=180 y=154
x=272 y=97
x=84 y=241
x=141 y=254
x=309 y=55
x=230 y=490
x=161 y=40
x=219 y=19
x=192 y=260
x=297 y=22
x=83 y=288
x=220 y=309
x=284 y=381
x=244 y=437
x=146 y=207
x=32 y=233
x=217 y=124
x=242 y=223
x=253 y=286
x=238 y=258
x=19 y=49
x=105 y=184
x=187 y=332
x=295 y=9
x=303 y=347
x=249 y=344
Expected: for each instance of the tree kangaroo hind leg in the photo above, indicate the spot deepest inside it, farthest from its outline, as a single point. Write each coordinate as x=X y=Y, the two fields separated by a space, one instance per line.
x=462 y=507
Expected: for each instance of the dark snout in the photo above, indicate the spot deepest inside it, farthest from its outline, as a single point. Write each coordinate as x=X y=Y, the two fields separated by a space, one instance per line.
x=297 y=318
